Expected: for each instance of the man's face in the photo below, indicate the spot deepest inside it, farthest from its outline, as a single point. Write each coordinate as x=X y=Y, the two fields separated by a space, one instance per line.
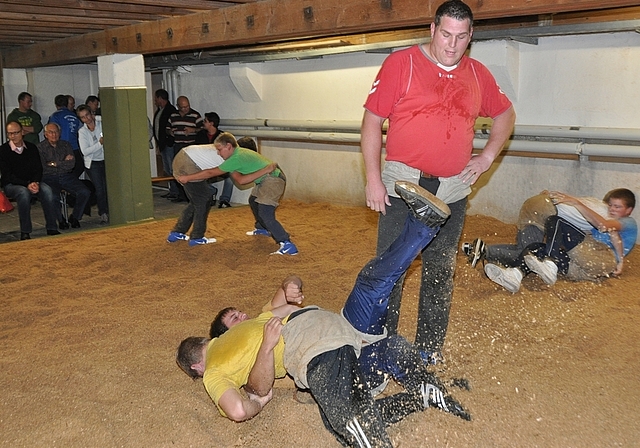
x=450 y=40
x=159 y=102
x=234 y=317
x=52 y=134
x=93 y=105
x=225 y=151
x=211 y=129
x=618 y=209
x=26 y=103
x=14 y=132
x=71 y=104
x=183 y=106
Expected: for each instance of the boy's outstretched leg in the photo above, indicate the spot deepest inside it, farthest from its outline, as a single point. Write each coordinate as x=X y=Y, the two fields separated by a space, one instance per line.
x=366 y=306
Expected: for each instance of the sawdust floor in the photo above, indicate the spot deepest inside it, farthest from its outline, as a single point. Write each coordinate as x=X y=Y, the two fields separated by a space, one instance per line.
x=90 y=323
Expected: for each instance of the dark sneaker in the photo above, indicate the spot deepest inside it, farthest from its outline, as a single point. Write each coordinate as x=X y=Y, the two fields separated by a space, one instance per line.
x=200 y=241
x=546 y=269
x=286 y=248
x=257 y=232
x=73 y=222
x=475 y=251
x=430 y=210
x=177 y=236
x=64 y=225
x=433 y=396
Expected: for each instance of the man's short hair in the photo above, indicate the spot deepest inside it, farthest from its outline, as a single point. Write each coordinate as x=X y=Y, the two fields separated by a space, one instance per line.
x=91 y=99
x=217 y=327
x=248 y=142
x=226 y=138
x=190 y=353
x=161 y=93
x=61 y=100
x=213 y=117
x=456 y=9
x=623 y=194
x=55 y=125
x=24 y=95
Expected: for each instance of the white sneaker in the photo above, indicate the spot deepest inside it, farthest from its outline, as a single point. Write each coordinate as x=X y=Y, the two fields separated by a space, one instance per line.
x=546 y=269
x=508 y=278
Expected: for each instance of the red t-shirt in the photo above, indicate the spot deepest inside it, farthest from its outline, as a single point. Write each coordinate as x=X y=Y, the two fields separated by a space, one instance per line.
x=431 y=111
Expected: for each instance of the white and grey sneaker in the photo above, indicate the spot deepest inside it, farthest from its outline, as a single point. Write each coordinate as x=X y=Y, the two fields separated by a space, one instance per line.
x=508 y=278
x=546 y=269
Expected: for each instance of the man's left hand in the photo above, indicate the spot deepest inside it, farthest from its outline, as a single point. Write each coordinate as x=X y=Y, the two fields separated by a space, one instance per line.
x=476 y=166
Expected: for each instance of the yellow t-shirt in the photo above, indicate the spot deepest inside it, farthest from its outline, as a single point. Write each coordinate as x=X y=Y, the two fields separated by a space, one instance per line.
x=231 y=357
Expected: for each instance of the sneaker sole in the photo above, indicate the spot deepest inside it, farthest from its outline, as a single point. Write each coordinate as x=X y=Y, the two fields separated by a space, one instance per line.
x=540 y=268
x=410 y=192
x=496 y=275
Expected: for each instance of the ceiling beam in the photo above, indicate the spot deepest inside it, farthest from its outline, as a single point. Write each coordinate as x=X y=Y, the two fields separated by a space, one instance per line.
x=273 y=21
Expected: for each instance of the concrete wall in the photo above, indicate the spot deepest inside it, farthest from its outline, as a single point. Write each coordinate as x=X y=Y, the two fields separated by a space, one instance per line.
x=586 y=80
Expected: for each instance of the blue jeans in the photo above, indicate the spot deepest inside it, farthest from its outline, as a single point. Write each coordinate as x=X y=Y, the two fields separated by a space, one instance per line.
x=438 y=266
x=197 y=211
x=22 y=196
x=167 y=165
x=72 y=185
x=98 y=177
x=366 y=306
x=265 y=216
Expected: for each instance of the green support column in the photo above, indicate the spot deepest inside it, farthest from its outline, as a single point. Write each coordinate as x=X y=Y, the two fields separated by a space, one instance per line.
x=126 y=147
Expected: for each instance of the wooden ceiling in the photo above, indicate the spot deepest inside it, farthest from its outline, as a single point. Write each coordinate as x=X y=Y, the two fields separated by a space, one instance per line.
x=52 y=32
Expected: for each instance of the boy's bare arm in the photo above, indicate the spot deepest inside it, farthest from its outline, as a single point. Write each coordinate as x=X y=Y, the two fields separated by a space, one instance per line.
x=243 y=179
x=200 y=175
x=616 y=241
x=239 y=408
x=262 y=373
x=289 y=292
x=599 y=222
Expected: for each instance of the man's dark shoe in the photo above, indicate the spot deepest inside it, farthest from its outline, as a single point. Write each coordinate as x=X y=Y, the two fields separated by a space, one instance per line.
x=75 y=224
x=178 y=199
x=224 y=204
x=64 y=225
x=53 y=232
x=24 y=236
x=429 y=210
x=166 y=195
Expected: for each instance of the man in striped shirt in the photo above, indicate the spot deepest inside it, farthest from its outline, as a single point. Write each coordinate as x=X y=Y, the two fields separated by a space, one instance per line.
x=183 y=126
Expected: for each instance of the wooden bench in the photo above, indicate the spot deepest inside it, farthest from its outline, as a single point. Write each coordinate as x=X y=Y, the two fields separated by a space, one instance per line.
x=155 y=180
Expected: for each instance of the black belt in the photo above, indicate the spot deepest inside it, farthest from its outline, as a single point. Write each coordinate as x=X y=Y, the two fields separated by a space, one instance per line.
x=299 y=312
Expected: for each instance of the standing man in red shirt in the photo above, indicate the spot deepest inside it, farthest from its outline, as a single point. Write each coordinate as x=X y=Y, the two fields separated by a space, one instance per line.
x=431 y=94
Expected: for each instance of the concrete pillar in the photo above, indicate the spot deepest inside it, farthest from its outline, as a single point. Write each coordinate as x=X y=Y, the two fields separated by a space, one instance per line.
x=126 y=137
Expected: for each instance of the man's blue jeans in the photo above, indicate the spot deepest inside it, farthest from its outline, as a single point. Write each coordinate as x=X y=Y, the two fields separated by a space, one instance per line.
x=366 y=306
x=22 y=196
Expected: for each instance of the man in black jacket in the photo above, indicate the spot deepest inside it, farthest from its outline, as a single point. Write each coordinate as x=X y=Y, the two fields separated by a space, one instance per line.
x=21 y=170
x=163 y=139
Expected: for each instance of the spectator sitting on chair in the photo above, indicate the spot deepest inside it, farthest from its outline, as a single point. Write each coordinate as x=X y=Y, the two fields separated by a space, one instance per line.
x=58 y=162
x=21 y=170
x=207 y=136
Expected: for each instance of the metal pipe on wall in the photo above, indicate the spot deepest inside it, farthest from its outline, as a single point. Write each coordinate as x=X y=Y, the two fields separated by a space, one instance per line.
x=317 y=131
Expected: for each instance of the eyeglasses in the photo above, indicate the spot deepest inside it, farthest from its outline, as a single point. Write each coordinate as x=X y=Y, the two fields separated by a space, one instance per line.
x=14 y=133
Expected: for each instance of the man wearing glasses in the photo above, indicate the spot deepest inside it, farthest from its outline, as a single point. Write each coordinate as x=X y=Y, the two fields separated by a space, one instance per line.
x=21 y=171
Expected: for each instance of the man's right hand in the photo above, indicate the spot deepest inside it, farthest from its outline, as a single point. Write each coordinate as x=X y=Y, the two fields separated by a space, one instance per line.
x=377 y=197
x=261 y=400
x=271 y=333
